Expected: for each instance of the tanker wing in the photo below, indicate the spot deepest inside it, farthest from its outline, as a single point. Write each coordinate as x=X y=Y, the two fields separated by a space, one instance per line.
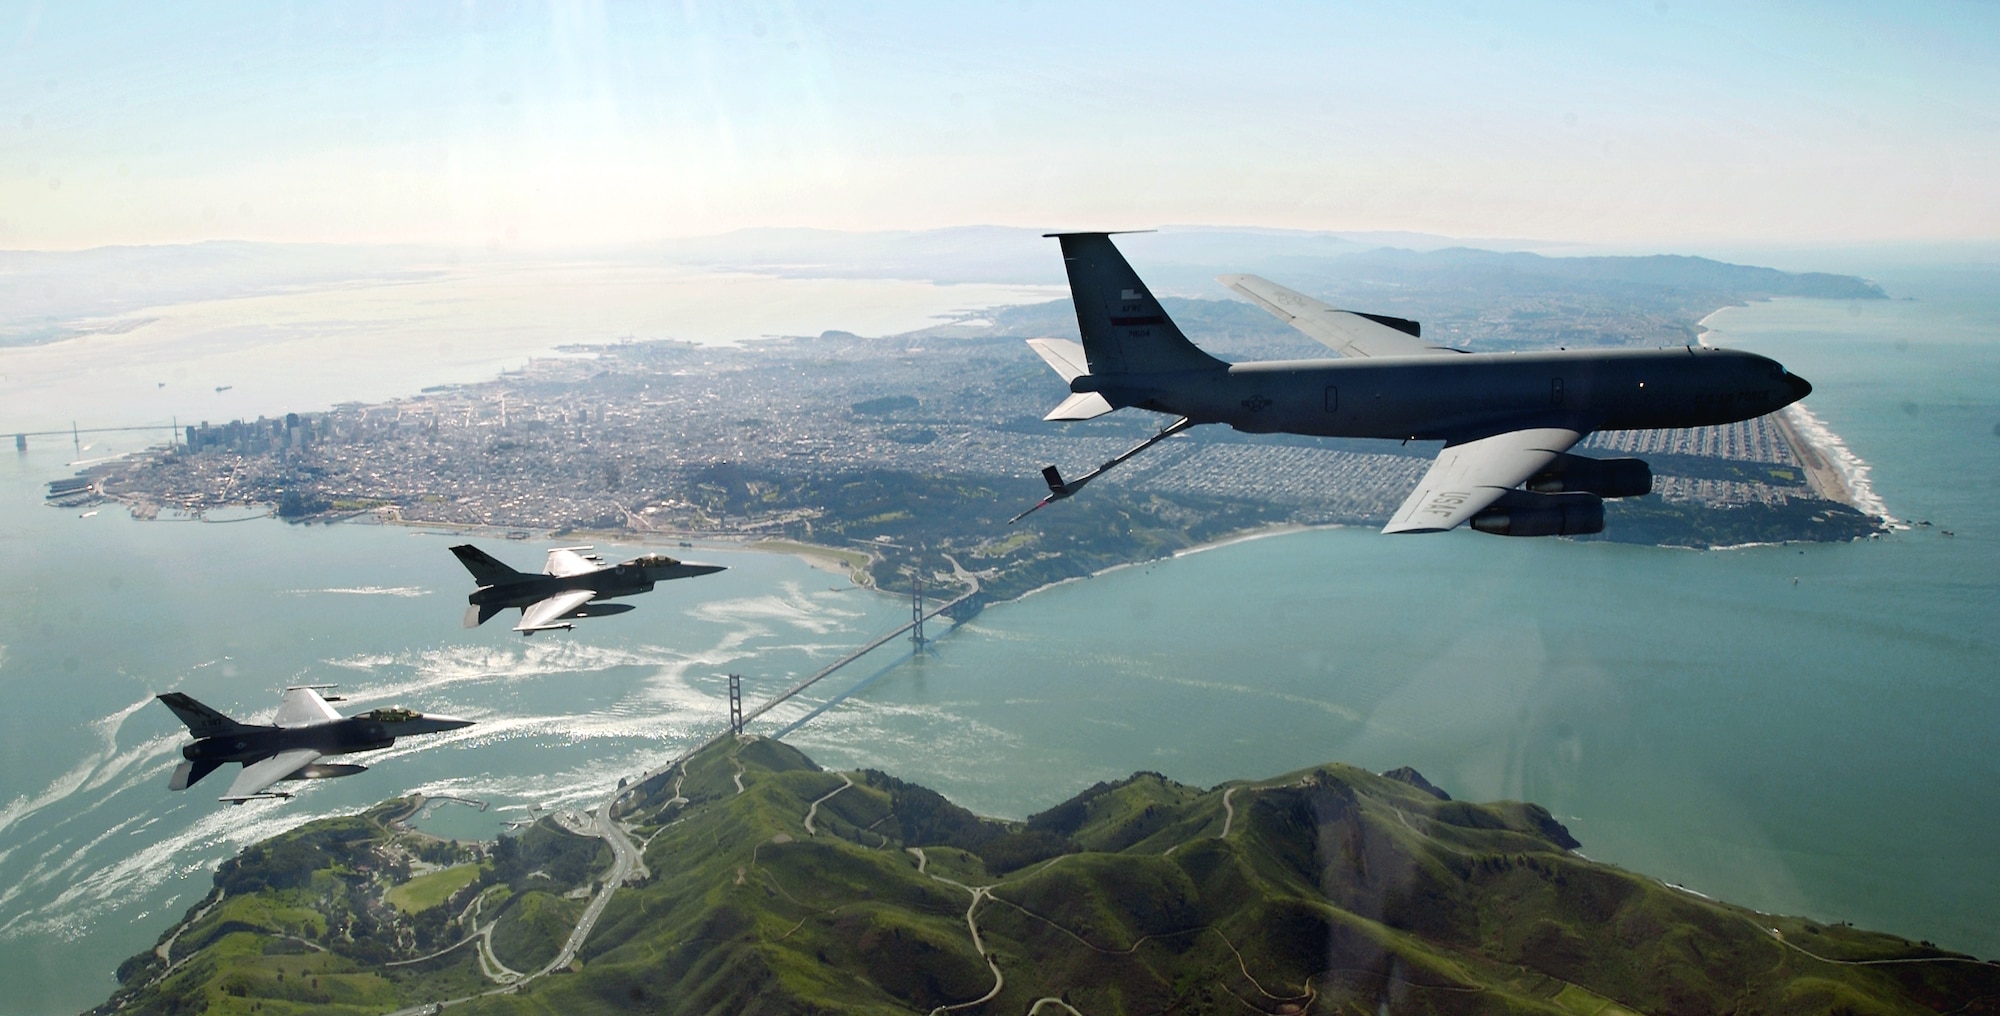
x=1468 y=477
x=1347 y=332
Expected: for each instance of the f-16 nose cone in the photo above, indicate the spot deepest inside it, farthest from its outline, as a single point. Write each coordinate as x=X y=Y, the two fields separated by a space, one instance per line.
x=438 y=724
x=1800 y=386
x=686 y=570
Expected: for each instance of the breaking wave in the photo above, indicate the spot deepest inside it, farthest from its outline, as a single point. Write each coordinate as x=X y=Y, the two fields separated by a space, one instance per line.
x=564 y=721
x=790 y=606
x=1852 y=468
x=79 y=777
x=192 y=852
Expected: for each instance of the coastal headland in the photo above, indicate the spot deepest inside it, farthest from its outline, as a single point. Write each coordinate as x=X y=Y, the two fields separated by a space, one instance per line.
x=747 y=878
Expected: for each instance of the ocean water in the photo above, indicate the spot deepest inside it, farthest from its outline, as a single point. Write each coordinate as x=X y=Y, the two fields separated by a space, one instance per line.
x=97 y=857
x=1804 y=729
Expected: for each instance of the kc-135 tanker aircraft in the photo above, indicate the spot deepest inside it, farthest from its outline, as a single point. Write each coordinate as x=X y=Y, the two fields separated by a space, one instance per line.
x=305 y=730
x=1507 y=419
x=570 y=581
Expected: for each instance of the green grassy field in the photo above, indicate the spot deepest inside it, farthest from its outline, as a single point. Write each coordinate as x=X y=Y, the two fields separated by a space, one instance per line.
x=426 y=891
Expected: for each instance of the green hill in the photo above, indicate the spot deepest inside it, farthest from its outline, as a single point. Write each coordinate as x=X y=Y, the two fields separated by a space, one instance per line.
x=775 y=886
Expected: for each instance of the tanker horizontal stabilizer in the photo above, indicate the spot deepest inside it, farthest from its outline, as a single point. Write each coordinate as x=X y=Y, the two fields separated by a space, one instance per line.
x=1081 y=406
x=1068 y=360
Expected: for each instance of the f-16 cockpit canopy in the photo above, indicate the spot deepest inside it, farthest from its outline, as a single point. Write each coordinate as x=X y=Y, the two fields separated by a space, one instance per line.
x=392 y=714
x=655 y=561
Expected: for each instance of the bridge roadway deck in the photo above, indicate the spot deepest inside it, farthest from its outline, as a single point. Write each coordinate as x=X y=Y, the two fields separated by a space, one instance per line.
x=817 y=676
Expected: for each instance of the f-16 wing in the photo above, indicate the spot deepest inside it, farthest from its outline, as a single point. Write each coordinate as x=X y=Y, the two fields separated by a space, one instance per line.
x=565 y=561
x=549 y=613
x=1469 y=477
x=303 y=707
x=257 y=776
x=1347 y=332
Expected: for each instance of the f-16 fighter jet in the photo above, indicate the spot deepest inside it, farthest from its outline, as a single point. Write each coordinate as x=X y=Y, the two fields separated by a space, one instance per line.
x=290 y=747
x=1507 y=420
x=570 y=584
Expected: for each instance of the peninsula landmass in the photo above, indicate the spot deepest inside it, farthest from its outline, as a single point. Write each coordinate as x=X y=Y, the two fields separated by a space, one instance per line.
x=748 y=879
x=910 y=451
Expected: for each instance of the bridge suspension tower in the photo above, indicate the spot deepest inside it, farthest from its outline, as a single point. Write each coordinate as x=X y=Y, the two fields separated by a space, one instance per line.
x=736 y=703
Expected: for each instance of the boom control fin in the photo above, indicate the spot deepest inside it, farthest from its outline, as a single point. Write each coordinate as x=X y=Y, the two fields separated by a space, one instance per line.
x=1058 y=490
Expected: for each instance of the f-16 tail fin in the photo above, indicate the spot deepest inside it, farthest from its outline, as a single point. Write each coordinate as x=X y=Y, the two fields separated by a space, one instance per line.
x=485 y=568
x=1125 y=330
x=187 y=774
x=201 y=720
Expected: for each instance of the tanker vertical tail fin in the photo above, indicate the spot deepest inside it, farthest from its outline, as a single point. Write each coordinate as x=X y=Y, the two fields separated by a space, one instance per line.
x=1125 y=330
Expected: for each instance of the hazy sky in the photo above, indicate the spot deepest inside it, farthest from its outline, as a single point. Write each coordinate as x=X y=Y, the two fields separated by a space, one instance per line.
x=537 y=125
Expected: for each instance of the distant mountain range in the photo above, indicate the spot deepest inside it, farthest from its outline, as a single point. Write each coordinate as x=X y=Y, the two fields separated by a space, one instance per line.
x=48 y=296
x=1185 y=258
x=775 y=886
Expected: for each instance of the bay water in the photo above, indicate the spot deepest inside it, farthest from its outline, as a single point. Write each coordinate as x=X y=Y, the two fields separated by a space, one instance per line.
x=1806 y=729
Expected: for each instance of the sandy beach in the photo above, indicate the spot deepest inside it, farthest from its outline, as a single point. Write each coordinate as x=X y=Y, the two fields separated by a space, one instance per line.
x=1833 y=471
x=850 y=563
x=1825 y=479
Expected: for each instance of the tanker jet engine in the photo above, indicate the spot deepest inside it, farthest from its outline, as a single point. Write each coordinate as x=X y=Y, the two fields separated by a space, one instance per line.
x=570 y=582
x=1507 y=420
x=290 y=747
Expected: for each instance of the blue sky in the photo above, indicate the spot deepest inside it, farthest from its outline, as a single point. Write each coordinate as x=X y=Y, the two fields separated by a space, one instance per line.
x=542 y=125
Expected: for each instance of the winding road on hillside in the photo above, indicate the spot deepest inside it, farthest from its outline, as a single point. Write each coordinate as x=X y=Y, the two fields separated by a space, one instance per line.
x=624 y=861
x=625 y=857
